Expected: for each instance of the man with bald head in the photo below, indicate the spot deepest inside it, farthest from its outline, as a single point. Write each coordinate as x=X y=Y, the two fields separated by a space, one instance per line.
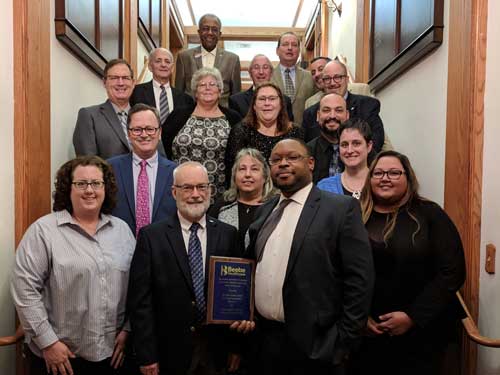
x=158 y=92
x=335 y=81
x=260 y=71
x=314 y=274
x=168 y=275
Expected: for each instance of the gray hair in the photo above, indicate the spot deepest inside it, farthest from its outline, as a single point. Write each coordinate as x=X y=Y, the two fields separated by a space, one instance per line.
x=206 y=72
x=262 y=55
x=188 y=164
x=209 y=15
x=154 y=50
x=268 y=190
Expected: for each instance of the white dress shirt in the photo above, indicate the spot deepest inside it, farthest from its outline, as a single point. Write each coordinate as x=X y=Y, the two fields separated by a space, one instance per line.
x=271 y=270
x=208 y=58
x=202 y=235
x=152 y=171
x=157 y=92
x=292 y=74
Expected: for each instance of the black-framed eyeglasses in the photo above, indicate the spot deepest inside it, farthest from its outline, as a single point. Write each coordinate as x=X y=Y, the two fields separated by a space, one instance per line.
x=392 y=174
x=336 y=78
x=290 y=159
x=82 y=185
x=148 y=129
x=116 y=78
x=188 y=189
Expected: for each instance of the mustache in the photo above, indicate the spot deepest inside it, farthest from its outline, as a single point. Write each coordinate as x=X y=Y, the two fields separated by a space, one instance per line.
x=334 y=119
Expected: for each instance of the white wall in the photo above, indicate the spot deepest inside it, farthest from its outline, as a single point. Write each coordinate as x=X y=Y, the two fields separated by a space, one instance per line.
x=414 y=116
x=342 y=34
x=7 y=354
x=73 y=86
x=489 y=293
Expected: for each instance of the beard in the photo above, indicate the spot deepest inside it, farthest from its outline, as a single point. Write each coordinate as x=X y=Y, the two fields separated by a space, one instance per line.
x=327 y=131
x=193 y=211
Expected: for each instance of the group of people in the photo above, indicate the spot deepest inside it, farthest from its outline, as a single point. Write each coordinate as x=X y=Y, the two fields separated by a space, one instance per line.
x=355 y=271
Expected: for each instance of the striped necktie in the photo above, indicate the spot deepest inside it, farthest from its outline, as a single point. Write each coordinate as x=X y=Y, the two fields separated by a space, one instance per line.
x=289 y=88
x=196 y=265
x=164 y=109
x=142 y=209
x=123 y=116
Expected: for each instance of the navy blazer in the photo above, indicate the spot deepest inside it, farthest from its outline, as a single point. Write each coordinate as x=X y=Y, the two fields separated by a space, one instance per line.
x=163 y=202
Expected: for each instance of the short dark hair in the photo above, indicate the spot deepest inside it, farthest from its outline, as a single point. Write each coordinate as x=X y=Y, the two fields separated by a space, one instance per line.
x=140 y=107
x=288 y=33
x=358 y=124
x=114 y=62
x=327 y=59
x=209 y=15
x=64 y=181
x=300 y=141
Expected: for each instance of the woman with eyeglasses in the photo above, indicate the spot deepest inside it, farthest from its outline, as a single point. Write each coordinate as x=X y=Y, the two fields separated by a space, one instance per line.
x=265 y=125
x=419 y=265
x=70 y=276
x=355 y=144
x=200 y=133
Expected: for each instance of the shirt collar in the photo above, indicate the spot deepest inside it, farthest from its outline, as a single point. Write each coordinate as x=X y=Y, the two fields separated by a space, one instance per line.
x=324 y=144
x=158 y=85
x=152 y=160
x=118 y=109
x=300 y=196
x=63 y=217
x=282 y=68
x=204 y=52
x=186 y=224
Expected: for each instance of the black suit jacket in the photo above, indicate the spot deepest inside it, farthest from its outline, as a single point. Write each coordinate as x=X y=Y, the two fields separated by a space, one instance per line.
x=359 y=106
x=329 y=277
x=240 y=102
x=144 y=93
x=161 y=295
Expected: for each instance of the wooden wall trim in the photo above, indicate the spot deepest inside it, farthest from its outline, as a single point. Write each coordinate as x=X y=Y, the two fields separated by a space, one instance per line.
x=32 y=179
x=130 y=34
x=362 y=41
x=165 y=24
x=464 y=143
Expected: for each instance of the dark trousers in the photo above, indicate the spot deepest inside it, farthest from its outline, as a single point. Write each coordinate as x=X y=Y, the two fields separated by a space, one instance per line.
x=273 y=353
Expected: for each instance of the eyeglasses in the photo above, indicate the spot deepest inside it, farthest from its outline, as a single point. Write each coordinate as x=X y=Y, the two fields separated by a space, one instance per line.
x=392 y=174
x=290 y=159
x=82 y=185
x=188 y=189
x=138 y=131
x=261 y=67
x=206 y=29
x=207 y=85
x=336 y=78
x=116 y=78
x=264 y=99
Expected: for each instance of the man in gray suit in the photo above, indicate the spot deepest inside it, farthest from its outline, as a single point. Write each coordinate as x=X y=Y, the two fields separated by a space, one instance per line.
x=208 y=54
x=295 y=82
x=102 y=129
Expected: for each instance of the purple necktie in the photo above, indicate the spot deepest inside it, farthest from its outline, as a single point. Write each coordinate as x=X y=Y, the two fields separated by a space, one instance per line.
x=142 y=217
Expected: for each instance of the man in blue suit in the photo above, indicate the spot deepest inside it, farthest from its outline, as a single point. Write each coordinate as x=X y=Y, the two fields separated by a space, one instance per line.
x=144 y=178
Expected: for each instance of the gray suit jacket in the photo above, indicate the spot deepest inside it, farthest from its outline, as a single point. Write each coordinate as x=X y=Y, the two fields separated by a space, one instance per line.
x=228 y=63
x=98 y=131
x=304 y=88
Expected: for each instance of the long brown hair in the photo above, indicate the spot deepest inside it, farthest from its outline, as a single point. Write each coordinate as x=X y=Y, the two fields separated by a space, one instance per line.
x=406 y=203
x=283 y=125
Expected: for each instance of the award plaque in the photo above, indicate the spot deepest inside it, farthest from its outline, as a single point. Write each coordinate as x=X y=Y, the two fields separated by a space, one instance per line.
x=230 y=290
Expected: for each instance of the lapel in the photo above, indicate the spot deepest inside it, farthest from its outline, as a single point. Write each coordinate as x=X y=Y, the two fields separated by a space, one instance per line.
x=306 y=218
x=197 y=58
x=264 y=211
x=149 y=94
x=174 y=237
x=352 y=104
x=161 y=185
x=127 y=176
x=299 y=76
x=248 y=97
x=277 y=78
x=212 y=242
x=114 y=122
x=218 y=57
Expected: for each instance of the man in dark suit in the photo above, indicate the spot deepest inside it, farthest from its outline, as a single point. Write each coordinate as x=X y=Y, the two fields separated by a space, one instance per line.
x=260 y=71
x=144 y=133
x=335 y=81
x=102 y=129
x=168 y=279
x=314 y=275
x=208 y=54
x=158 y=92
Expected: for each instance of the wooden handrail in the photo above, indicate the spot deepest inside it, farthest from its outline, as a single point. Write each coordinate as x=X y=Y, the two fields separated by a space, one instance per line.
x=11 y=340
x=144 y=70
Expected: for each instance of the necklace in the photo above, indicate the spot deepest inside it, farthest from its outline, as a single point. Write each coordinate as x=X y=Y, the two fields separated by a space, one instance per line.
x=356 y=193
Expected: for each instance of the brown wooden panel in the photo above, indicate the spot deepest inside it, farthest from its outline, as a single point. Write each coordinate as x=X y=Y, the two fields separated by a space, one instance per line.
x=156 y=22
x=130 y=33
x=362 y=40
x=384 y=34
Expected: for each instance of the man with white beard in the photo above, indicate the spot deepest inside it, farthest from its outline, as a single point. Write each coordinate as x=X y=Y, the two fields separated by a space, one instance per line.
x=166 y=296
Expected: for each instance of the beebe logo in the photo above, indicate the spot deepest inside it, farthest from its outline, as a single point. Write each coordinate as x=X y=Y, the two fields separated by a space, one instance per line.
x=232 y=271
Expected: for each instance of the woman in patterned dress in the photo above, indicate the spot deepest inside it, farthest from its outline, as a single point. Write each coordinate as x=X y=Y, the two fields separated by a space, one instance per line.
x=200 y=133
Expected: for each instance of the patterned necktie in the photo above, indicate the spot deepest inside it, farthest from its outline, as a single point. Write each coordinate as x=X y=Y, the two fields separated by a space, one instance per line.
x=196 y=265
x=334 y=167
x=268 y=227
x=123 y=115
x=164 y=109
x=289 y=88
x=142 y=216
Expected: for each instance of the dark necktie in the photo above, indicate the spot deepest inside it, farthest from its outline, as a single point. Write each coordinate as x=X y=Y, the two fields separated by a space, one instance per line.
x=334 y=166
x=268 y=227
x=164 y=109
x=196 y=265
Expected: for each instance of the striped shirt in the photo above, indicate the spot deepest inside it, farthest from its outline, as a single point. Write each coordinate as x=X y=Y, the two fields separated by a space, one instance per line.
x=70 y=286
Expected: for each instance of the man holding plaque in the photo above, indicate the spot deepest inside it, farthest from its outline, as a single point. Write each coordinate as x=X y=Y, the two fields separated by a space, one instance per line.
x=167 y=296
x=314 y=275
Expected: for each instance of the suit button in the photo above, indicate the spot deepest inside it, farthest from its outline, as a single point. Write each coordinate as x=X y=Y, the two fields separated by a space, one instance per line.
x=192 y=329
